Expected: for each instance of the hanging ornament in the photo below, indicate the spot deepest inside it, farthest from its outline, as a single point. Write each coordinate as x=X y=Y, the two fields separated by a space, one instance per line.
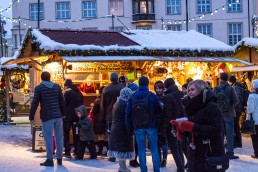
x=17 y=79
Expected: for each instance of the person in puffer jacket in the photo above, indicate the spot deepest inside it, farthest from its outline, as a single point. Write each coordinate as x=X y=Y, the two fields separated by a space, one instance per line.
x=86 y=133
x=52 y=109
x=252 y=108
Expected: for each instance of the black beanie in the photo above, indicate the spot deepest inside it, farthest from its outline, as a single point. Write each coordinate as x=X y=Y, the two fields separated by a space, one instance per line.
x=168 y=82
x=224 y=76
x=114 y=77
x=232 y=79
x=68 y=82
x=143 y=81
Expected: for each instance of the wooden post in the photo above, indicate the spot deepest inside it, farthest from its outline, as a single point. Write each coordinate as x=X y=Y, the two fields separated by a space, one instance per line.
x=8 y=99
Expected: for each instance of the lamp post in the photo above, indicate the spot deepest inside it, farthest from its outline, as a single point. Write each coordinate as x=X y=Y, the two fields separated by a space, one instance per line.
x=38 y=14
x=248 y=16
x=186 y=18
x=1 y=34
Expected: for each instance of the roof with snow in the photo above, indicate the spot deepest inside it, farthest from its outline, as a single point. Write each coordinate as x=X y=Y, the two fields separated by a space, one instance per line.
x=246 y=43
x=133 y=43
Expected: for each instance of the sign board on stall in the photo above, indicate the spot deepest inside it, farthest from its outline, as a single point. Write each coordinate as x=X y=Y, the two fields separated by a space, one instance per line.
x=38 y=139
x=18 y=97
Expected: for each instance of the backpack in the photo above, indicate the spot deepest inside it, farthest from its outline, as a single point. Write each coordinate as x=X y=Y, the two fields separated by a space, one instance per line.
x=141 y=115
x=223 y=99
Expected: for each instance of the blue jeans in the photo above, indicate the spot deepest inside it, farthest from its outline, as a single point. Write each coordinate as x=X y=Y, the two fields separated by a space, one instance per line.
x=152 y=135
x=229 y=129
x=48 y=127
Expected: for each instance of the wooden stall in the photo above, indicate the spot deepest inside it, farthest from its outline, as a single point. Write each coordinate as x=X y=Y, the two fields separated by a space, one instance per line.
x=89 y=57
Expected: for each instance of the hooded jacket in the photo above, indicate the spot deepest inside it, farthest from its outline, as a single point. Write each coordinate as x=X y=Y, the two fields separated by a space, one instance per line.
x=85 y=125
x=50 y=97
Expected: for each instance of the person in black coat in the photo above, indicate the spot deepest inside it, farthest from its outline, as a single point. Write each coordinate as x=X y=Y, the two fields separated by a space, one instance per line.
x=121 y=141
x=172 y=109
x=73 y=99
x=99 y=125
x=204 y=127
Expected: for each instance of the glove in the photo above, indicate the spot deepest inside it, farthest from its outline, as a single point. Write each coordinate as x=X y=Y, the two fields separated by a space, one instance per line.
x=178 y=131
x=186 y=126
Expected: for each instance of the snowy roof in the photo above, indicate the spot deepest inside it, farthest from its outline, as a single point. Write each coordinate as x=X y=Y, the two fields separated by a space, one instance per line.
x=11 y=66
x=137 y=42
x=173 y=40
x=253 y=42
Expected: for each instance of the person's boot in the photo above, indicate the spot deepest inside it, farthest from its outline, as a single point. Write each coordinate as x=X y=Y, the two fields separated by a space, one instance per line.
x=134 y=163
x=112 y=159
x=122 y=167
x=163 y=163
x=59 y=161
x=48 y=162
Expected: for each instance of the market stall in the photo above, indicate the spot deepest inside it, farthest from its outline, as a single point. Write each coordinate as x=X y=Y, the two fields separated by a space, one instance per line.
x=88 y=57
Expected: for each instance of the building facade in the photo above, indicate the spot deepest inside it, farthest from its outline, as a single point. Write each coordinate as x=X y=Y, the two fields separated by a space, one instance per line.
x=225 y=20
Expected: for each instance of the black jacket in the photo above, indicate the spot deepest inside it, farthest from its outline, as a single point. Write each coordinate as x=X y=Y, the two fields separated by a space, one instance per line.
x=99 y=125
x=208 y=121
x=119 y=137
x=73 y=99
x=173 y=106
x=109 y=97
x=50 y=97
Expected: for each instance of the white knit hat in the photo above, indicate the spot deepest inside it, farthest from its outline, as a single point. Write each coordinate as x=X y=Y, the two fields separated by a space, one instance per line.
x=255 y=83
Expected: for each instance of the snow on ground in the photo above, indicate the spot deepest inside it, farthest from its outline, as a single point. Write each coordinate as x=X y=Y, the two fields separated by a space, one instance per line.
x=16 y=155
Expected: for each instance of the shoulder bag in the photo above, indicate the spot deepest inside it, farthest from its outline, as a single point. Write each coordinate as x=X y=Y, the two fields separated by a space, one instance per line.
x=248 y=126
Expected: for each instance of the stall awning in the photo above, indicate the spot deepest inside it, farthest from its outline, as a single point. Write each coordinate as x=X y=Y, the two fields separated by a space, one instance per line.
x=133 y=58
x=245 y=68
x=24 y=60
x=152 y=58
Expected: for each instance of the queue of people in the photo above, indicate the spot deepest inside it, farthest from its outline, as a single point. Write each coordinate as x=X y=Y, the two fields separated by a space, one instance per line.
x=191 y=123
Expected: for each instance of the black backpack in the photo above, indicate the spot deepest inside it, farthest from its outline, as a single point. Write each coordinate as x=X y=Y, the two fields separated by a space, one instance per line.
x=141 y=115
x=223 y=99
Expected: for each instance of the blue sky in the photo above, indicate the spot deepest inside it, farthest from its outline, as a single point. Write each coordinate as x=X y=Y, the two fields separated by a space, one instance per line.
x=3 y=5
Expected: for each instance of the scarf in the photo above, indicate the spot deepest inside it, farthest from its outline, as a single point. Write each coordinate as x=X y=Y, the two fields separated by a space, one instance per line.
x=194 y=104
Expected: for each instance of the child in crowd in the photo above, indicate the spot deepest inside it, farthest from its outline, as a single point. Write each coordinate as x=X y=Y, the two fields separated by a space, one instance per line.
x=86 y=133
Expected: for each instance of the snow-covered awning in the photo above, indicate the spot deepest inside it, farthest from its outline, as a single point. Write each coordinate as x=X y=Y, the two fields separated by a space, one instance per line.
x=152 y=58
x=134 y=58
x=245 y=42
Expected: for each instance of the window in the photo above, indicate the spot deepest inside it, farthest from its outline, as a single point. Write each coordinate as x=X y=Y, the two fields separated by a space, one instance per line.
x=116 y=7
x=117 y=28
x=204 y=29
x=173 y=6
x=146 y=6
x=203 y=6
x=63 y=10
x=234 y=33
x=34 y=11
x=174 y=27
x=234 y=5
x=143 y=27
x=89 y=8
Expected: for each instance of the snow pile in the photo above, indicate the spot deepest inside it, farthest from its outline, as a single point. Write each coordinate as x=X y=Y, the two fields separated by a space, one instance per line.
x=16 y=155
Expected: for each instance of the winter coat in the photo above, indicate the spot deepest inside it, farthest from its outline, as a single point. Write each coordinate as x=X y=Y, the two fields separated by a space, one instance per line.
x=238 y=87
x=99 y=125
x=50 y=97
x=119 y=137
x=173 y=106
x=85 y=125
x=73 y=99
x=109 y=97
x=232 y=97
x=208 y=127
x=252 y=107
x=154 y=108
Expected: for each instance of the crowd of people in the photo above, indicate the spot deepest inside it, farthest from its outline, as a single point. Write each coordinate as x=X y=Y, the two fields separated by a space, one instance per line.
x=195 y=123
